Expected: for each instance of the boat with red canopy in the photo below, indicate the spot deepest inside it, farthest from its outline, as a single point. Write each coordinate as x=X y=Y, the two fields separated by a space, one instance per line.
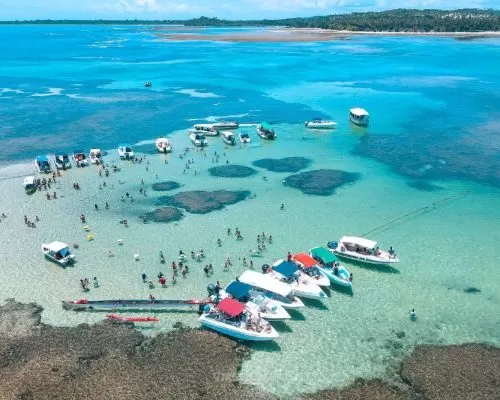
x=309 y=268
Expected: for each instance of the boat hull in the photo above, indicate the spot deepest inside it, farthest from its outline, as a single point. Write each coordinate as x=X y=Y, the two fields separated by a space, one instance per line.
x=359 y=122
x=312 y=125
x=349 y=255
x=342 y=279
x=109 y=305
x=237 y=332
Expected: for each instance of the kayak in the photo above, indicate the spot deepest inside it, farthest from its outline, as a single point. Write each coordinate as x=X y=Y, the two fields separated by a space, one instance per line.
x=132 y=319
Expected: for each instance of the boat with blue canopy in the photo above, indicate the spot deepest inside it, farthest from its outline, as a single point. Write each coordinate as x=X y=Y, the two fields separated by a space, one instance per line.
x=42 y=163
x=330 y=267
x=265 y=131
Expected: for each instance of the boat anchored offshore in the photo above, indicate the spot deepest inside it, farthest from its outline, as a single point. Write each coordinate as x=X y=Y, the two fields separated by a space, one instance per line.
x=80 y=158
x=272 y=289
x=228 y=137
x=95 y=156
x=330 y=267
x=62 y=161
x=163 y=145
x=309 y=267
x=198 y=139
x=42 y=163
x=206 y=129
x=359 y=116
x=125 y=152
x=288 y=273
x=136 y=305
x=362 y=250
x=58 y=252
x=320 y=124
x=244 y=137
x=265 y=131
x=230 y=317
x=225 y=125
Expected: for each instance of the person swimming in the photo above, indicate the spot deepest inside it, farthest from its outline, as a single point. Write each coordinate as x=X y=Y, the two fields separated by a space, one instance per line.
x=413 y=314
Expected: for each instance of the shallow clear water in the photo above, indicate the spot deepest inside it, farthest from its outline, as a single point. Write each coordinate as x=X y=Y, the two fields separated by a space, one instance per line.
x=405 y=83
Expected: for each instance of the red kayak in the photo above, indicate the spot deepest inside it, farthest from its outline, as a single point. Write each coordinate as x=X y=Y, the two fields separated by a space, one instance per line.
x=132 y=319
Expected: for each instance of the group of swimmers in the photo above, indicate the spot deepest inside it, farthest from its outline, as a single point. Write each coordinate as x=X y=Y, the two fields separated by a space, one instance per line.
x=84 y=283
x=27 y=222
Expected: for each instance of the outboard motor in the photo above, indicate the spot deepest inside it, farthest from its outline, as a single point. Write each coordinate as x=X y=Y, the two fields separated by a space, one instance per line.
x=211 y=289
x=332 y=245
x=265 y=267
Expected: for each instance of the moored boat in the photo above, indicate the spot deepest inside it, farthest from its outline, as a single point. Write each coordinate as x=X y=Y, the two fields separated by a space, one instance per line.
x=62 y=161
x=206 y=129
x=320 y=124
x=230 y=317
x=30 y=184
x=309 y=267
x=359 y=116
x=228 y=137
x=198 y=139
x=163 y=145
x=244 y=137
x=133 y=304
x=42 y=163
x=265 y=131
x=362 y=250
x=272 y=289
x=125 y=152
x=95 y=156
x=80 y=158
x=225 y=125
x=330 y=267
x=58 y=252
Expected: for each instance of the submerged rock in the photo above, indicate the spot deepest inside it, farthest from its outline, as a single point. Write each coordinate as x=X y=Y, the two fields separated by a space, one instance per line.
x=164 y=214
x=202 y=202
x=165 y=186
x=232 y=171
x=321 y=182
x=472 y=290
x=287 y=164
x=424 y=186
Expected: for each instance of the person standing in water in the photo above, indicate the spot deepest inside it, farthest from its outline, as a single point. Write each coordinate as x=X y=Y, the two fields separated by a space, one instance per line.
x=413 y=314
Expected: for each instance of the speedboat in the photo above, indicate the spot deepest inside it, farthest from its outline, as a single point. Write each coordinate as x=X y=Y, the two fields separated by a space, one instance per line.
x=359 y=116
x=30 y=184
x=272 y=289
x=225 y=125
x=265 y=131
x=147 y=84
x=320 y=124
x=288 y=273
x=125 y=152
x=163 y=145
x=244 y=137
x=228 y=137
x=80 y=158
x=58 y=252
x=309 y=267
x=362 y=250
x=232 y=318
x=198 y=139
x=62 y=161
x=95 y=156
x=207 y=129
x=42 y=163
x=254 y=301
x=329 y=266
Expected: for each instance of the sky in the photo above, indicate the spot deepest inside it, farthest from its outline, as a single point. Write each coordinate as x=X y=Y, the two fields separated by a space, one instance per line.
x=224 y=9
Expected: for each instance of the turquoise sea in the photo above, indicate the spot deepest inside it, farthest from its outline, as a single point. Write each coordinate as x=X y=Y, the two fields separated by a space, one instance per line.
x=433 y=145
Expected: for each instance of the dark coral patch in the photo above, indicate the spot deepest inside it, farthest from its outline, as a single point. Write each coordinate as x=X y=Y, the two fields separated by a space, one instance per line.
x=287 y=164
x=232 y=171
x=166 y=186
x=321 y=182
x=164 y=214
x=202 y=202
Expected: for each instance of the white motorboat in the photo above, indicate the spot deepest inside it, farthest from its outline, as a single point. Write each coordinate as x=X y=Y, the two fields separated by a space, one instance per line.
x=58 y=252
x=163 y=145
x=42 y=164
x=232 y=318
x=362 y=250
x=228 y=137
x=30 y=184
x=80 y=158
x=320 y=124
x=198 y=139
x=255 y=301
x=330 y=267
x=265 y=131
x=225 y=125
x=310 y=269
x=95 y=156
x=206 y=129
x=288 y=273
x=125 y=152
x=359 y=116
x=62 y=161
x=244 y=137
x=272 y=289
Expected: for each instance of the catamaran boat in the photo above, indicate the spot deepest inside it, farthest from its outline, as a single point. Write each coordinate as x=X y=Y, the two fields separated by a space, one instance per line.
x=80 y=158
x=198 y=139
x=125 y=152
x=362 y=250
x=255 y=302
x=359 y=116
x=244 y=137
x=272 y=289
x=288 y=273
x=163 y=145
x=232 y=318
x=309 y=268
x=30 y=184
x=132 y=305
x=58 y=252
x=42 y=163
x=265 y=131
x=330 y=267
x=228 y=137
x=225 y=125
x=62 y=161
x=207 y=129
x=320 y=124
x=95 y=156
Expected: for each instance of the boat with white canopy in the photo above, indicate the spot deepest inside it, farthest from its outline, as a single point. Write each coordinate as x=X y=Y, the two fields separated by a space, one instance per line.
x=320 y=124
x=310 y=269
x=206 y=129
x=363 y=250
x=30 y=184
x=95 y=156
x=163 y=145
x=125 y=152
x=271 y=288
x=228 y=137
x=225 y=125
x=58 y=252
x=359 y=116
x=198 y=139
x=330 y=267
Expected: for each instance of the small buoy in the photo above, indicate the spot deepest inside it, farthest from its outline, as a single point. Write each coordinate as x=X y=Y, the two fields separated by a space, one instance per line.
x=120 y=241
x=90 y=237
x=136 y=257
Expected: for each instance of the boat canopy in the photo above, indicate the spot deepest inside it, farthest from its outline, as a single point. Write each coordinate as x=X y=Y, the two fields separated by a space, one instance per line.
x=78 y=152
x=305 y=259
x=231 y=307
x=286 y=268
x=42 y=159
x=359 y=111
x=326 y=255
x=162 y=140
x=56 y=247
x=266 y=126
x=95 y=151
x=369 y=244
x=265 y=282
x=238 y=290
x=29 y=181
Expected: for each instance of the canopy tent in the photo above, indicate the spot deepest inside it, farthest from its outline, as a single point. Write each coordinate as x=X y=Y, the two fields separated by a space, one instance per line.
x=56 y=246
x=323 y=254
x=265 y=282
x=286 y=268
x=238 y=290
x=266 y=126
x=305 y=259
x=42 y=159
x=231 y=307
x=369 y=244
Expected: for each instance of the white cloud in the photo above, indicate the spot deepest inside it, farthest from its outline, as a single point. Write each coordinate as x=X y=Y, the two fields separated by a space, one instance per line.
x=151 y=6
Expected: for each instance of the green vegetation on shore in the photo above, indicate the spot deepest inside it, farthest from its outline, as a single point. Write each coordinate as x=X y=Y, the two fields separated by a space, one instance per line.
x=400 y=20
